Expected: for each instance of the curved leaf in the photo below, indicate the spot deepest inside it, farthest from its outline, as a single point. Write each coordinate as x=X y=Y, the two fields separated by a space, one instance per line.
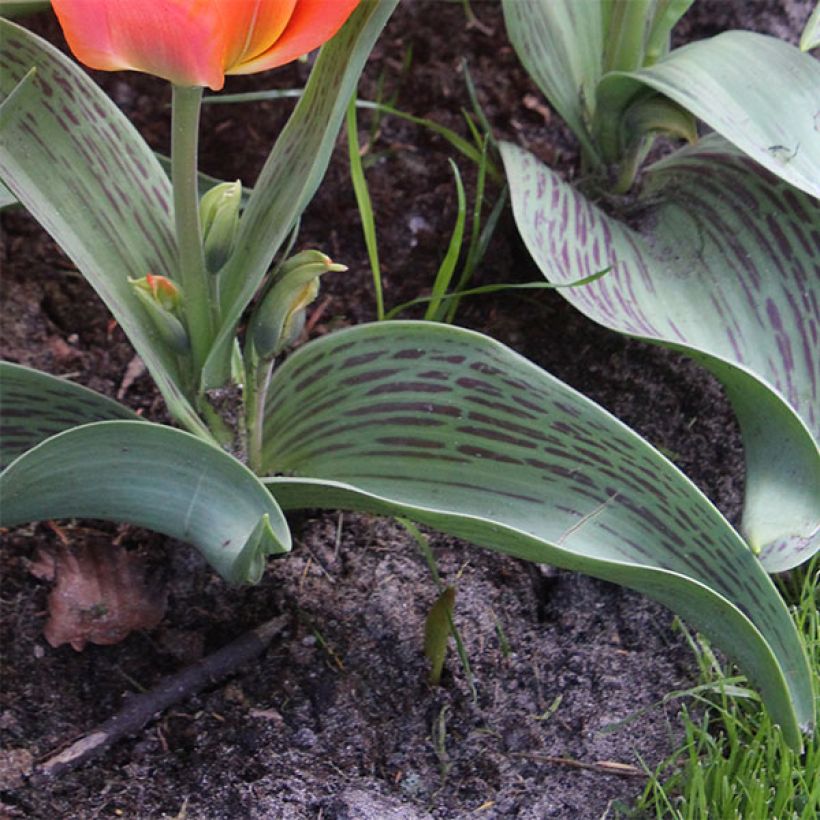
x=155 y=477
x=77 y=164
x=453 y=429
x=721 y=264
x=293 y=171
x=759 y=92
x=561 y=44
x=35 y=406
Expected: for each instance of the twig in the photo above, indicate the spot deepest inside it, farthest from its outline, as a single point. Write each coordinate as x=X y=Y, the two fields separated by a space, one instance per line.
x=601 y=766
x=140 y=709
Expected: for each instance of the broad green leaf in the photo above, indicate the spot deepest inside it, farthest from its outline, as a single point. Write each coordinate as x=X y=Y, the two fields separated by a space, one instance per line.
x=35 y=406
x=155 y=477
x=759 y=92
x=561 y=44
x=293 y=170
x=454 y=430
x=720 y=262
x=82 y=170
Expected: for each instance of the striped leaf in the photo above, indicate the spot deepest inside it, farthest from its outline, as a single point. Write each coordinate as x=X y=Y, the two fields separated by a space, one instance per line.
x=206 y=182
x=78 y=165
x=561 y=44
x=720 y=261
x=451 y=428
x=35 y=406
x=293 y=171
x=759 y=92
x=155 y=477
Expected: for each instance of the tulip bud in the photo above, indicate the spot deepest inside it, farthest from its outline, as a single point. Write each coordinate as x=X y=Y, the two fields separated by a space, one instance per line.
x=219 y=218
x=280 y=316
x=163 y=301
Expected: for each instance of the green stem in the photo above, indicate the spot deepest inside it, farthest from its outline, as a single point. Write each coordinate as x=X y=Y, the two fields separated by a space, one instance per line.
x=256 y=397
x=192 y=273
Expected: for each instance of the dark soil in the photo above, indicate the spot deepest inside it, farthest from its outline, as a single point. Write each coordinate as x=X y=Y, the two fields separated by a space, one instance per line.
x=336 y=720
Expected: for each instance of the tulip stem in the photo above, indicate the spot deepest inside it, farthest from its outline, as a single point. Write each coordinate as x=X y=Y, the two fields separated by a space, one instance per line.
x=186 y=103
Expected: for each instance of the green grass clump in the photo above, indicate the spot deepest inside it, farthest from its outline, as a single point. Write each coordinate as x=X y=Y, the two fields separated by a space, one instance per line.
x=734 y=762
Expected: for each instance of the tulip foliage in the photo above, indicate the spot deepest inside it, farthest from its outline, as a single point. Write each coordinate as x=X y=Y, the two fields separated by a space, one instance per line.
x=716 y=253
x=417 y=419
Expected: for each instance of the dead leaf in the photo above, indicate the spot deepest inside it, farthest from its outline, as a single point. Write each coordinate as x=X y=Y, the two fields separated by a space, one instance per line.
x=101 y=594
x=62 y=351
x=135 y=369
x=534 y=104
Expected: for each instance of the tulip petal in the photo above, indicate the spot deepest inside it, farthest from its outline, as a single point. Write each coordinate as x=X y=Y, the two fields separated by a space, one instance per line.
x=169 y=38
x=249 y=27
x=312 y=23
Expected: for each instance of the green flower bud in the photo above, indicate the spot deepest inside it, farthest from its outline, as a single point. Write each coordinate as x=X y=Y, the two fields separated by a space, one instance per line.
x=219 y=218
x=162 y=300
x=280 y=315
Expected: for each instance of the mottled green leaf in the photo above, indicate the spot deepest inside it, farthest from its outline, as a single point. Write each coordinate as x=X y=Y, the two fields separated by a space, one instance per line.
x=35 y=406
x=155 y=477
x=456 y=431
x=206 y=182
x=719 y=259
x=77 y=164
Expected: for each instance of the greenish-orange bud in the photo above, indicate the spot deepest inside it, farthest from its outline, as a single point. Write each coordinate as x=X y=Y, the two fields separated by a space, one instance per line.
x=219 y=218
x=162 y=300
x=280 y=316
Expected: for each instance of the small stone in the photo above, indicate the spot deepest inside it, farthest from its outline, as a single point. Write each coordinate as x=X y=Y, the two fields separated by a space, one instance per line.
x=14 y=764
x=305 y=738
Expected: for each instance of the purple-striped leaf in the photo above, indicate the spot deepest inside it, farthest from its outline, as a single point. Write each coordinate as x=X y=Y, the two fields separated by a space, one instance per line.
x=81 y=169
x=35 y=406
x=456 y=431
x=719 y=259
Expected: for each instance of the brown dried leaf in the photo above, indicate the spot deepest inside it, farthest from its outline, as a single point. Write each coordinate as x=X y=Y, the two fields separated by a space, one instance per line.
x=62 y=351
x=534 y=104
x=101 y=594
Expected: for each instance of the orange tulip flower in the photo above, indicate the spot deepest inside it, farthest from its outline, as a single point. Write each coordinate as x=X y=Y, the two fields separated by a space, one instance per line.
x=197 y=42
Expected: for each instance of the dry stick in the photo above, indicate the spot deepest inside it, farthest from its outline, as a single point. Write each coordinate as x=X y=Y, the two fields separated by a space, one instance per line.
x=140 y=709
x=601 y=766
